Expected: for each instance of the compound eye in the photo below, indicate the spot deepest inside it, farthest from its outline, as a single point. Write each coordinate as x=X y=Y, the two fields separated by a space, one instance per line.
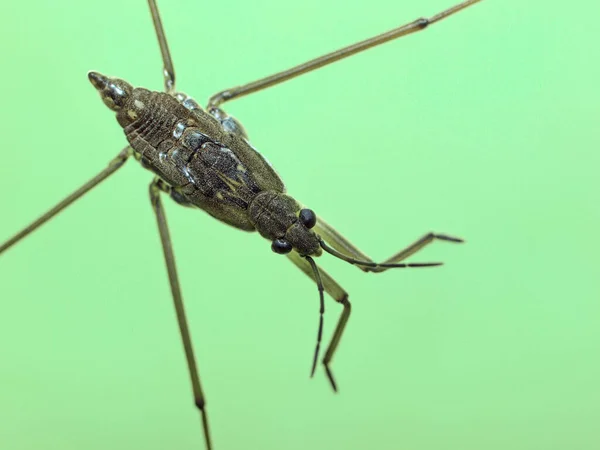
x=281 y=246
x=308 y=217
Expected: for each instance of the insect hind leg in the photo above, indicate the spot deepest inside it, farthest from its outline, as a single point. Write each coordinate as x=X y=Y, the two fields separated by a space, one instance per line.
x=168 y=69
x=113 y=166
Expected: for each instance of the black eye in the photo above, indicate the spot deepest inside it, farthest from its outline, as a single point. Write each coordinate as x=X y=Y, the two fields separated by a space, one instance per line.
x=281 y=246
x=308 y=217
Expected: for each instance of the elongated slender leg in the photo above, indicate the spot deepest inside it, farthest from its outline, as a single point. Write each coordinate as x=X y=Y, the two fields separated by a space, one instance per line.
x=113 y=166
x=339 y=295
x=342 y=245
x=317 y=278
x=155 y=187
x=280 y=77
x=168 y=70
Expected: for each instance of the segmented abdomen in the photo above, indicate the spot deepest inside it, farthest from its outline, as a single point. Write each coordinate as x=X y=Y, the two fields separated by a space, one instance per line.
x=170 y=143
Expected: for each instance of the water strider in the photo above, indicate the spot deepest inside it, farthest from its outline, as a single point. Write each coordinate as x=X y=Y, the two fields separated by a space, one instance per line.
x=202 y=159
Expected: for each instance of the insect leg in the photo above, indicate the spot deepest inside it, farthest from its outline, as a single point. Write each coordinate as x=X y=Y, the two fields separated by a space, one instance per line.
x=339 y=295
x=263 y=83
x=155 y=187
x=168 y=70
x=342 y=245
x=113 y=166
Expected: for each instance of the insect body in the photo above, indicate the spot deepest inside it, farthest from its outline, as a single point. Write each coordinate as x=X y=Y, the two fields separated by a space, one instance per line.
x=202 y=158
x=206 y=162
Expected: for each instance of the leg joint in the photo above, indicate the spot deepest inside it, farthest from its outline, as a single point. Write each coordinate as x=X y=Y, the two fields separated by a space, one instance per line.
x=155 y=187
x=345 y=302
x=200 y=403
x=121 y=158
x=422 y=23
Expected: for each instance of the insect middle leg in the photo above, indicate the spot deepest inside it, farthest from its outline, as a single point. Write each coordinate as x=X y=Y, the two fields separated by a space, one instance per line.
x=336 y=292
x=156 y=187
x=263 y=83
x=345 y=247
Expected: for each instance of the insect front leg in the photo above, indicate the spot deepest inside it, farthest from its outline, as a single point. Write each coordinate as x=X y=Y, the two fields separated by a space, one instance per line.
x=345 y=247
x=339 y=295
x=155 y=187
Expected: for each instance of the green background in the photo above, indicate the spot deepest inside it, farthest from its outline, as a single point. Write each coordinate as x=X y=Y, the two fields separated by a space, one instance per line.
x=485 y=126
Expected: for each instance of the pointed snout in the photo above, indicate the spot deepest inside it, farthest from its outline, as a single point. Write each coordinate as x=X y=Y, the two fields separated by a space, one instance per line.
x=114 y=92
x=98 y=80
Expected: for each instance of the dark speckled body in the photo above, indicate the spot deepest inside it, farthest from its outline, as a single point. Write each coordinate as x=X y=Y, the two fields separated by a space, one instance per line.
x=190 y=150
x=207 y=161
